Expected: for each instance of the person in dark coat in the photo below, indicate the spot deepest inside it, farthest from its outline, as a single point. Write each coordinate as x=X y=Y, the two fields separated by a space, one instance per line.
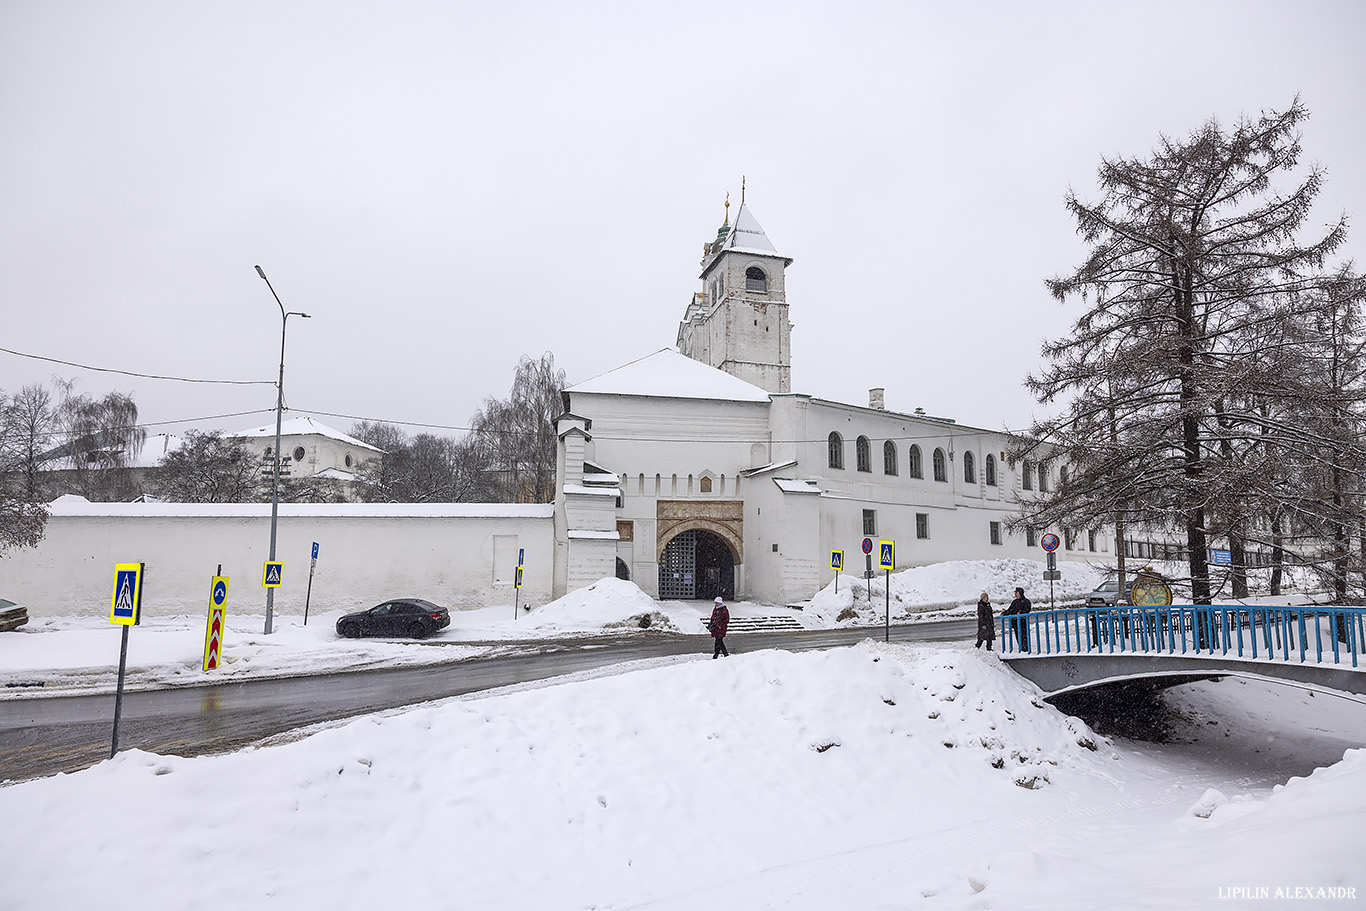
x=986 y=622
x=720 y=619
x=1019 y=608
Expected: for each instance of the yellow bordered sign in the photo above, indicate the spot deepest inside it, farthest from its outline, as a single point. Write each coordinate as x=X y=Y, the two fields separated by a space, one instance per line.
x=886 y=554
x=123 y=608
x=837 y=559
x=273 y=574
x=518 y=582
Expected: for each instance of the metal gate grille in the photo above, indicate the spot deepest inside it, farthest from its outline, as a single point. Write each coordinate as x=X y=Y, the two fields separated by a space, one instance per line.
x=679 y=567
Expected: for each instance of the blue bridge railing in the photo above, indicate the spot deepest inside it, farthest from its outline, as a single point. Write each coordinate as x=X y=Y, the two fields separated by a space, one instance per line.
x=1319 y=635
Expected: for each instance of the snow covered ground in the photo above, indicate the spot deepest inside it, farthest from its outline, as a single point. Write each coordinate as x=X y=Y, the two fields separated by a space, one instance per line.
x=877 y=776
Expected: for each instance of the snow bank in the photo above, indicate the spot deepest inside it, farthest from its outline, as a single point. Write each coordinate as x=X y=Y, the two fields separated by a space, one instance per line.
x=941 y=586
x=610 y=604
x=607 y=790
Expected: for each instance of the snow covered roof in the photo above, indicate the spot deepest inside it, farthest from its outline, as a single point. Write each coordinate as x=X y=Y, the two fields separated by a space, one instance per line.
x=790 y=485
x=154 y=449
x=668 y=374
x=773 y=466
x=304 y=426
x=73 y=505
x=585 y=491
x=748 y=236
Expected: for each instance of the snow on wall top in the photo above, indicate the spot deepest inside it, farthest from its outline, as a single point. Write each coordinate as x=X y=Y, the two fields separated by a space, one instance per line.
x=301 y=427
x=668 y=374
x=73 y=505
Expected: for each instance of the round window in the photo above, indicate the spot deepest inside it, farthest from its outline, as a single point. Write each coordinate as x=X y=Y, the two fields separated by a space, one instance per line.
x=298 y=453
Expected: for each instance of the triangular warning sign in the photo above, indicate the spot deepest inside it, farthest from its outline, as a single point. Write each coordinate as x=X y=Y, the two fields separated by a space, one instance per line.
x=273 y=575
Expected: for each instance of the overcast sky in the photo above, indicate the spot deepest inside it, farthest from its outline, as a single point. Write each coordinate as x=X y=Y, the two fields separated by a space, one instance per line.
x=448 y=186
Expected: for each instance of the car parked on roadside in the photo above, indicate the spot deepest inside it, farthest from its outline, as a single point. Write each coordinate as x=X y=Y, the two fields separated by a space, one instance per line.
x=412 y=617
x=1107 y=594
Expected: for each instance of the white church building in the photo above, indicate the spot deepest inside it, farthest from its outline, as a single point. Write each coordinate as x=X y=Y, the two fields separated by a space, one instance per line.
x=697 y=471
x=693 y=472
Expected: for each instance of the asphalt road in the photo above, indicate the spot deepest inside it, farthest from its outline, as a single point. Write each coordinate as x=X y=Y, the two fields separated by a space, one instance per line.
x=48 y=735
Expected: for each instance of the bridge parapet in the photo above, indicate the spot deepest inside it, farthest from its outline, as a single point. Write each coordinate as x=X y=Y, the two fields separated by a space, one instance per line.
x=1075 y=648
x=1317 y=635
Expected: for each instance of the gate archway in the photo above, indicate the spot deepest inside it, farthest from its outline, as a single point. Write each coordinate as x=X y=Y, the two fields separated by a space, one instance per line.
x=696 y=563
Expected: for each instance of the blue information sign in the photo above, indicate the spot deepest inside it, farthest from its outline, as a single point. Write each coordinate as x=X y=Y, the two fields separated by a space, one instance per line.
x=315 y=550
x=1220 y=557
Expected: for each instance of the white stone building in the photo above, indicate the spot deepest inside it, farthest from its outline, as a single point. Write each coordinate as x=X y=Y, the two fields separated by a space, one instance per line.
x=698 y=472
x=309 y=449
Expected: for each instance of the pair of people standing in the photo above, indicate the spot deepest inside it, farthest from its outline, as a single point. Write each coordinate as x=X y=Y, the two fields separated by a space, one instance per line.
x=986 y=623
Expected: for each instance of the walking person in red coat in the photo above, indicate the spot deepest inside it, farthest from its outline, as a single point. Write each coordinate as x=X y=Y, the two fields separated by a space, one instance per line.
x=720 y=619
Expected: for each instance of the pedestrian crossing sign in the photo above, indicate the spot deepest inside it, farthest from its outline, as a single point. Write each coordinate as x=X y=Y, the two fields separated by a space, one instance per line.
x=518 y=581
x=123 y=610
x=837 y=559
x=887 y=554
x=273 y=573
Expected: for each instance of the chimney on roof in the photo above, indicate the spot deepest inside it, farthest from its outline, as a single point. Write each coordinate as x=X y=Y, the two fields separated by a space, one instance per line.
x=920 y=411
x=875 y=399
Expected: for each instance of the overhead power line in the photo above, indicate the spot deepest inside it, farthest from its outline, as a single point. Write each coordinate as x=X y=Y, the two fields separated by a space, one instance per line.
x=146 y=376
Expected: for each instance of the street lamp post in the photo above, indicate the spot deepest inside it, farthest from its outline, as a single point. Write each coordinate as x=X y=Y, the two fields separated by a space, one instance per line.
x=279 y=413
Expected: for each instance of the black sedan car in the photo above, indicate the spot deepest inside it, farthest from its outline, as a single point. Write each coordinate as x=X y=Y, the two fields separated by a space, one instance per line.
x=399 y=617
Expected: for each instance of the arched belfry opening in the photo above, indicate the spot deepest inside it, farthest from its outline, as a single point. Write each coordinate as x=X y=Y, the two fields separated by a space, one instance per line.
x=696 y=564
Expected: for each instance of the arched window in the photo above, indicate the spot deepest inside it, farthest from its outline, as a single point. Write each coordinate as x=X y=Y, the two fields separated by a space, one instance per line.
x=1043 y=478
x=704 y=485
x=836 y=450
x=991 y=470
x=889 y=458
x=941 y=466
x=969 y=468
x=1027 y=475
x=864 y=454
x=913 y=466
x=755 y=279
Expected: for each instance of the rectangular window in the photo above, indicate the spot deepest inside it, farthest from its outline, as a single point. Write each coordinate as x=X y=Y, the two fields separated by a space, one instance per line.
x=1091 y=541
x=1031 y=536
x=922 y=525
x=995 y=532
x=1066 y=535
x=870 y=521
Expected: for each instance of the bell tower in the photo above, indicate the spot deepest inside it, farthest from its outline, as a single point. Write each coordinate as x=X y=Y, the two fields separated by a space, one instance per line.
x=738 y=322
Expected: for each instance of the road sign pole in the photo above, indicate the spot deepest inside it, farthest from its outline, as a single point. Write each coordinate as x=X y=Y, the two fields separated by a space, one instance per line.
x=887 y=632
x=118 y=698
x=313 y=564
x=123 y=655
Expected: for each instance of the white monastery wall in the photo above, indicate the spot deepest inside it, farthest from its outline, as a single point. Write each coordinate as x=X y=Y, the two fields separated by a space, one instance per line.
x=460 y=556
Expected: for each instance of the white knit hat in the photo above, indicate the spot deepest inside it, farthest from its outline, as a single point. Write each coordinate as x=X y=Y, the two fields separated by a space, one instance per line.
x=720 y=600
